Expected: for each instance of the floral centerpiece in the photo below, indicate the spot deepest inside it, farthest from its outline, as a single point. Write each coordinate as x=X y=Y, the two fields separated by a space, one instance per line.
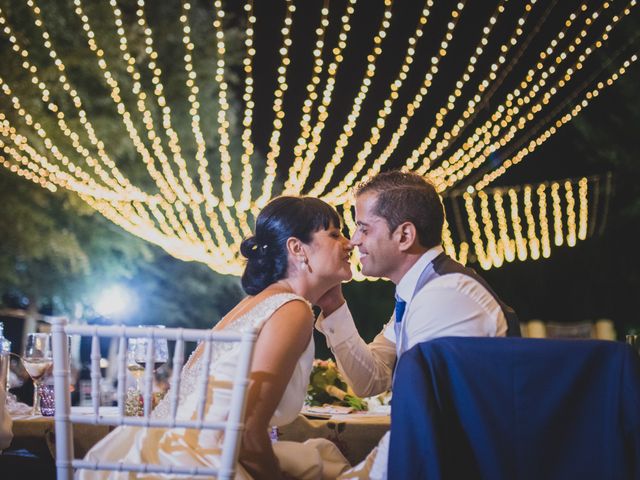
x=326 y=386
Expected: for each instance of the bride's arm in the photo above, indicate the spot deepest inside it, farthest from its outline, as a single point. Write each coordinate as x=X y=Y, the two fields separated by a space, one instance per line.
x=280 y=343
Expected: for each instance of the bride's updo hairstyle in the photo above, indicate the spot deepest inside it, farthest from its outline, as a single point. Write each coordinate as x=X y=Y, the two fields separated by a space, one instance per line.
x=282 y=218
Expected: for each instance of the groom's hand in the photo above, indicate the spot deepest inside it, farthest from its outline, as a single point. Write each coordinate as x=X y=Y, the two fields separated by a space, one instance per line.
x=331 y=300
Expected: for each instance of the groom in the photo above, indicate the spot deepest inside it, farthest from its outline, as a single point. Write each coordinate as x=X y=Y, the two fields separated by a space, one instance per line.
x=399 y=219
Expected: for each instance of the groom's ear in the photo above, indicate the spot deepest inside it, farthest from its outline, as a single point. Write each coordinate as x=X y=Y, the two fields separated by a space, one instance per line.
x=407 y=236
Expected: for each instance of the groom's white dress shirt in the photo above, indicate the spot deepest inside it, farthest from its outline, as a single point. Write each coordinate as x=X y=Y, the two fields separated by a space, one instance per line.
x=450 y=305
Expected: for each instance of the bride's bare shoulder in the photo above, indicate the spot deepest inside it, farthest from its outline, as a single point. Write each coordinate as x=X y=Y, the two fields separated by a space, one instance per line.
x=294 y=306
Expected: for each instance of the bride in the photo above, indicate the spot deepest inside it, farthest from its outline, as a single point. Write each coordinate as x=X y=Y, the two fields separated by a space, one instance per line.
x=296 y=255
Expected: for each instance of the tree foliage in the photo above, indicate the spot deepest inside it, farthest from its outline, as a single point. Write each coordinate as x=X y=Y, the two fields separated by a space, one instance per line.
x=57 y=253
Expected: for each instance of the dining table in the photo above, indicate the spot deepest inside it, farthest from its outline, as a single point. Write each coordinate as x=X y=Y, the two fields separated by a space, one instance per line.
x=355 y=434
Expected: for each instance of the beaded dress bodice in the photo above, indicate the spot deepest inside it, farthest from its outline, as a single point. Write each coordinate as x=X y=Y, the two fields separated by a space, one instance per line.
x=223 y=362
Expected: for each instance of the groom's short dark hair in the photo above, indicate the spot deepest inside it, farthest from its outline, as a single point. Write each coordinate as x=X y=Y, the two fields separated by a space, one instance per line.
x=407 y=197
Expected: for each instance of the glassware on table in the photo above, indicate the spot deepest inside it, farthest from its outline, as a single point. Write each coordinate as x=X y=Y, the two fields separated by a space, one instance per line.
x=634 y=341
x=160 y=352
x=37 y=360
x=5 y=351
x=136 y=370
x=137 y=357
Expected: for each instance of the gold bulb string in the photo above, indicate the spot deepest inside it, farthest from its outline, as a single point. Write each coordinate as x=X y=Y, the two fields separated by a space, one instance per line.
x=492 y=80
x=194 y=196
x=274 y=139
x=464 y=160
x=41 y=167
x=543 y=222
x=519 y=241
x=557 y=215
x=450 y=164
x=77 y=103
x=28 y=149
x=210 y=199
x=337 y=195
x=443 y=112
x=491 y=127
x=469 y=162
x=158 y=92
x=349 y=126
x=350 y=225
x=494 y=249
x=53 y=107
x=64 y=160
x=247 y=119
x=583 y=209
x=39 y=173
x=167 y=182
x=533 y=144
x=58 y=177
x=83 y=178
x=226 y=178
x=571 y=214
x=491 y=83
x=244 y=204
x=449 y=247
x=357 y=104
x=31 y=173
x=180 y=249
x=168 y=186
x=510 y=243
x=481 y=254
x=174 y=144
x=223 y=147
x=532 y=239
x=291 y=184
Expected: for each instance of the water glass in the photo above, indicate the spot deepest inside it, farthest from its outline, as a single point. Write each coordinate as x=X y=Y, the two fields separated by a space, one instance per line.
x=37 y=360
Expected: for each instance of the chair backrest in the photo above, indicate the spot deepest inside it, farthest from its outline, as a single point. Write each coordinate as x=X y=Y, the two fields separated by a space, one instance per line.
x=505 y=408
x=64 y=417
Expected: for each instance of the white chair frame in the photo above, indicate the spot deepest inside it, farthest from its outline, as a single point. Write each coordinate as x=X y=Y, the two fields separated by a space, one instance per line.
x=64 y=419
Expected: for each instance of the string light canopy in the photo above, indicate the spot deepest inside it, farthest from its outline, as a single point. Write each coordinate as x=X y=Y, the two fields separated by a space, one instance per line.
x=505 y=224
x=179 y=127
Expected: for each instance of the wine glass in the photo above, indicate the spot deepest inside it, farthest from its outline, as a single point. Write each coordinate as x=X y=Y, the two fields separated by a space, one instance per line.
x=134 y=367
x=160 y=352
x=37 y=360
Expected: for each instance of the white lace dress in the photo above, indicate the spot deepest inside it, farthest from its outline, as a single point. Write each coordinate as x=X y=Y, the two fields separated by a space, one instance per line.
x=315 y=459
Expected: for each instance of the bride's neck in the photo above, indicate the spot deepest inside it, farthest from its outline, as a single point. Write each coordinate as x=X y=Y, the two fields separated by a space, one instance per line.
x=300 y=286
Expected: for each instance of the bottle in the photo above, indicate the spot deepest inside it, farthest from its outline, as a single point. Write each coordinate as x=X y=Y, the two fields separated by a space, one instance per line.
x=5 y=350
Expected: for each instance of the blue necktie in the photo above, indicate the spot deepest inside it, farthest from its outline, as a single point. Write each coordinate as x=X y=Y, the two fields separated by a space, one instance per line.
x=400 y=306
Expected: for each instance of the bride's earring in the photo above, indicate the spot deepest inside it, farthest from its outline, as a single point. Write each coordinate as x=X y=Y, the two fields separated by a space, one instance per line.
x=304 y=264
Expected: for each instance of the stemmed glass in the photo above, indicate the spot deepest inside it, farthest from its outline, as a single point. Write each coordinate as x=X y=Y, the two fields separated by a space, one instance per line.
x=37 y=360
x=160 y=352
x=134 y=367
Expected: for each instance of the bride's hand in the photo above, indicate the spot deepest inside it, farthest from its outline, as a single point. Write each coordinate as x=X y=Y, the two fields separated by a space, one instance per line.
x=331 y=300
